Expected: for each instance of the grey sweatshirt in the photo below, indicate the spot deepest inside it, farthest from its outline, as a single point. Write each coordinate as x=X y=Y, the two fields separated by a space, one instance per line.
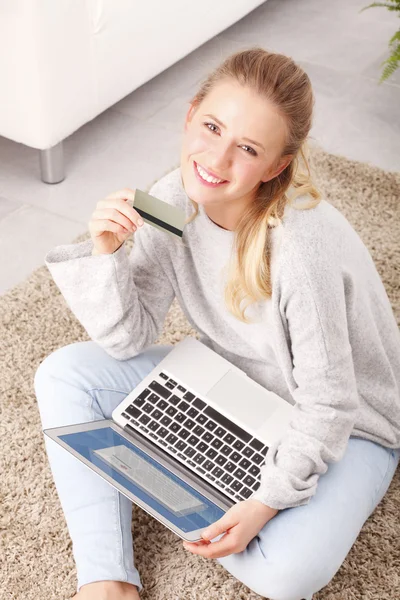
x=327 y=341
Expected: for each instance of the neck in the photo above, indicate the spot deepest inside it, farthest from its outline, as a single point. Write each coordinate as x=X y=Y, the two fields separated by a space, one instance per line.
x=225 y=219
x=226 y=229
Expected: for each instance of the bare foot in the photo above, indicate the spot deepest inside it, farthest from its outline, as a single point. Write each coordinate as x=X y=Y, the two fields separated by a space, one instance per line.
x=108 y=590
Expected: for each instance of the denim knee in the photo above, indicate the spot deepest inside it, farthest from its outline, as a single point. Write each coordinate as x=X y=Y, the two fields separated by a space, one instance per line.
x=293 y=577
x=282 y=575
x=61 y=365
x=295 y=582
x=67 y=358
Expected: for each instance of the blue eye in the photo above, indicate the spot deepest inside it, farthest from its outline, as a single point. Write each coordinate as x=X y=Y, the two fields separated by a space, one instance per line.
x=213 y=125
x=252 y=151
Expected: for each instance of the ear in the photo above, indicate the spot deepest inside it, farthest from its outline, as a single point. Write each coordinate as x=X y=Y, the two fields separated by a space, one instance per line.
x=283 y=163
x=189 y=114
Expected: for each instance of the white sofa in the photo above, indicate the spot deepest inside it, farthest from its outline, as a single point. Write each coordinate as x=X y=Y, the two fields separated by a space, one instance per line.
x=63 y=62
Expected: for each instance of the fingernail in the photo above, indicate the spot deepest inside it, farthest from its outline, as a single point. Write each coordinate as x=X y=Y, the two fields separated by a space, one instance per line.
x=140 y=221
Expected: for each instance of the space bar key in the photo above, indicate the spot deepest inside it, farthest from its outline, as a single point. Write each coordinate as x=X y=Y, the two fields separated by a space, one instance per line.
x=159 y=389
x=229 y=425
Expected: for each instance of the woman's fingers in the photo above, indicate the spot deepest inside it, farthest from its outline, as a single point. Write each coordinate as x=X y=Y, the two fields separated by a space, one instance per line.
x=126 y=194
x=122 y=200
x=104 y=225
x=113 y=214
x=113 y=221
x=223 y=547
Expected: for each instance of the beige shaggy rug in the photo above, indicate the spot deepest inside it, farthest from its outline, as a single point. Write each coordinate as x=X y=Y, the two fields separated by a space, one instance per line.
x=35 y=553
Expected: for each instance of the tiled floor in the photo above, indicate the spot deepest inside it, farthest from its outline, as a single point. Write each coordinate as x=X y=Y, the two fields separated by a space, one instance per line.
x=139 y=138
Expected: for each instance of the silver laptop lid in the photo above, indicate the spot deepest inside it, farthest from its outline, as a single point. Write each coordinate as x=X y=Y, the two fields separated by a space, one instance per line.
x=237 y=396
x=196 y=364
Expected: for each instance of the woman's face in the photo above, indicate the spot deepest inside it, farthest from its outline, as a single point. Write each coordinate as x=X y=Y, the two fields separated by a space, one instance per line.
x=225 y=150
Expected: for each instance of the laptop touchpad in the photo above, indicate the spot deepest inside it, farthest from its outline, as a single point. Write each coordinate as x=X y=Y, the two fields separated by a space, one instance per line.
x=244 y=399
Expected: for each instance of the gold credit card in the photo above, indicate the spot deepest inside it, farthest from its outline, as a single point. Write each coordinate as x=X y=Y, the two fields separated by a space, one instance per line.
x=159 y=214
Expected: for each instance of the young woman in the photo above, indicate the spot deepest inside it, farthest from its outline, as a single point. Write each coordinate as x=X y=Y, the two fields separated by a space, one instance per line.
x=276 y=280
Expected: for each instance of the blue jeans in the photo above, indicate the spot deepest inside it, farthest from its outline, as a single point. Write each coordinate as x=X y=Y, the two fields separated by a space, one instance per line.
x=296 y=554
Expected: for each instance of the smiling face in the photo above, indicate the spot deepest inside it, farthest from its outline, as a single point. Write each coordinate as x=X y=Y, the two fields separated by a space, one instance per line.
x=219 y=144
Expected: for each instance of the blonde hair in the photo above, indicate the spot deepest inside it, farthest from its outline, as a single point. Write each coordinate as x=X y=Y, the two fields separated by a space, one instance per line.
x=278 y=79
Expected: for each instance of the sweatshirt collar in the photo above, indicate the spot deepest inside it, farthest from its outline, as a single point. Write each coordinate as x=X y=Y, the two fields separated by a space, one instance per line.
x=216 y=230
x=221 y=234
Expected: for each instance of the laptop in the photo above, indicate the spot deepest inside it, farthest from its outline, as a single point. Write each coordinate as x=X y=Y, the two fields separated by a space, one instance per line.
x=188 y=442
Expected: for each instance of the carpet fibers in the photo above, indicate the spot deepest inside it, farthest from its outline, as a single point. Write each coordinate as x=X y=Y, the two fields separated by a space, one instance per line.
x=35 y=547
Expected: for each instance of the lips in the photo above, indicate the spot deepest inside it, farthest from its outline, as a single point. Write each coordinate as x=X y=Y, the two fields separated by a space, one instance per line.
x=204 y=182
x=210 y=173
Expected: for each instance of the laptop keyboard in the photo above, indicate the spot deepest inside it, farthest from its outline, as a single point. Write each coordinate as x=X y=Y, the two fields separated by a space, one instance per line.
x=190 y=429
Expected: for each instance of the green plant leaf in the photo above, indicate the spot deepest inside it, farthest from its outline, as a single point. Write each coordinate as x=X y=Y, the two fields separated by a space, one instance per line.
x=395 y=37
x=388 y=71
x=384 y=4
x=391 y=63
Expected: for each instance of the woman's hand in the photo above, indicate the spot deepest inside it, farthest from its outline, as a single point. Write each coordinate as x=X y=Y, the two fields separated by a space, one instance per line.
x=113 y=221
x=241 y=522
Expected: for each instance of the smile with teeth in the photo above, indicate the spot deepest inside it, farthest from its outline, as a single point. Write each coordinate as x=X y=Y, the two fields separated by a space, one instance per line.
x=204 y=175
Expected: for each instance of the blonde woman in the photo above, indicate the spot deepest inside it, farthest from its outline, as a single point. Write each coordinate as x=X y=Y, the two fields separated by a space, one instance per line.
x=276 y=280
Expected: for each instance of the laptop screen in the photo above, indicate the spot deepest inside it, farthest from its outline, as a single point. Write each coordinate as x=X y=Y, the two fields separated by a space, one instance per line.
x=144 y=477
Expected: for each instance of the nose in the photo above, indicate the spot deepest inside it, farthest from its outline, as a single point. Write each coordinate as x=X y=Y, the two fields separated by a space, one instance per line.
x=220 y=161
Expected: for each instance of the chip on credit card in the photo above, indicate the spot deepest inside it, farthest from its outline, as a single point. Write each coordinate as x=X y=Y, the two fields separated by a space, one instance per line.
x=160 y=214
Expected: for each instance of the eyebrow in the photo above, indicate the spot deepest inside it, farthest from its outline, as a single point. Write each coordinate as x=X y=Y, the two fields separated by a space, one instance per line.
x=245 y=138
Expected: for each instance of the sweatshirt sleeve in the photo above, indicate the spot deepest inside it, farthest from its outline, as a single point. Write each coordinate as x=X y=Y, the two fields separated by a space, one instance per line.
x=121 y=300
x=314 y=322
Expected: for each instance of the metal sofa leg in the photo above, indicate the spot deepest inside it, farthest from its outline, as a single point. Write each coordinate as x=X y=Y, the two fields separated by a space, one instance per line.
x=52 y=164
